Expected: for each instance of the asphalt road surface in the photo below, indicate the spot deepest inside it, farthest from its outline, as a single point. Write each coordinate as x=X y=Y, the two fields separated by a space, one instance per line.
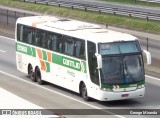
x=50 y=96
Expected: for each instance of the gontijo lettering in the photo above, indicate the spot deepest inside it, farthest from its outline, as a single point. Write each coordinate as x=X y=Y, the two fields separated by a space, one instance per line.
x=71 y=63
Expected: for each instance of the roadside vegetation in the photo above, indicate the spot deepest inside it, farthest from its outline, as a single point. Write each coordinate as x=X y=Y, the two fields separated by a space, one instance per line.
x=108 y=19
x=135 y=2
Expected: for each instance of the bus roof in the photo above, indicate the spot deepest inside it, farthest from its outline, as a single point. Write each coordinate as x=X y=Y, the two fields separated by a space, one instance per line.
x=75 y=28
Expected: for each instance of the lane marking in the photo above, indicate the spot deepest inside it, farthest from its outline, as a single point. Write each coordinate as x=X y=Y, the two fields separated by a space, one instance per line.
x=2 y=51
x=47 y=89
x=19 y=103
x=16 y=102
x=7 y=38
x=152 y=77
x=61 y=94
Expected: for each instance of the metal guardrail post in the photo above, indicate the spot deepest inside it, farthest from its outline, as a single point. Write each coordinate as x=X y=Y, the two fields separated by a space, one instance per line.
x=107 y=26
x=147 y=44
x=15 y=16
x=147 y=18
x=7 y=17
x=99 y=11
x=114 y=13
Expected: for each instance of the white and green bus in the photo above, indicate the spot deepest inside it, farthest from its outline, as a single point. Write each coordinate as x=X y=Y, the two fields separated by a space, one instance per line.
x=82 y=57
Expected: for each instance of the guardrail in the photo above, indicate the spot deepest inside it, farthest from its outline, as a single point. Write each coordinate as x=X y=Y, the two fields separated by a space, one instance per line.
x=9 y=17
x=99 y=8
x=152 y=1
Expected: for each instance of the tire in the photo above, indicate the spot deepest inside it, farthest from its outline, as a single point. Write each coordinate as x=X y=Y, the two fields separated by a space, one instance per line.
x=84 y=93
x=38 y=76
x=31 y=73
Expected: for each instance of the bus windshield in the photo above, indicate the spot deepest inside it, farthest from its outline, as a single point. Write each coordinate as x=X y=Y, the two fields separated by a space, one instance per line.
x=121 y=63
x=122 y=69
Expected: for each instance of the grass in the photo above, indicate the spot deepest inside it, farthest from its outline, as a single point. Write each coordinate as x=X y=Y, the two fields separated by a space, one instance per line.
x=109 y=19
x=135 y=2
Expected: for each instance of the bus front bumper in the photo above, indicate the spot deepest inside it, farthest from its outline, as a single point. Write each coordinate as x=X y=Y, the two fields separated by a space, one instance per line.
x=110 y=96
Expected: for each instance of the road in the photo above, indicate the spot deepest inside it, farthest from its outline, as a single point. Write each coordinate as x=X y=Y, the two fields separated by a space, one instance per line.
x=106 y=7
x=118 y=5
x=53 y=97
x=110 y=4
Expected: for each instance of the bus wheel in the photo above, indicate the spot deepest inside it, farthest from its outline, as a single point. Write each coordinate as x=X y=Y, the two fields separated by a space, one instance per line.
x=84 y=92
x=31 y=73
x=38 y=76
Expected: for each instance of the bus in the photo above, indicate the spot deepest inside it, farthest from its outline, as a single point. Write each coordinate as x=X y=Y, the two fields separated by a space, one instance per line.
x=83 y=57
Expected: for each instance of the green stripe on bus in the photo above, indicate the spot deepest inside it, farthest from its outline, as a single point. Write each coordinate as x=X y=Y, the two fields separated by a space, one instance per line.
x=25 y=49
x=33 y=50
x=123 y=85
x=44 y=53
x=69 y=63
x=107 y=86
x=48 y=66
x=57 y=59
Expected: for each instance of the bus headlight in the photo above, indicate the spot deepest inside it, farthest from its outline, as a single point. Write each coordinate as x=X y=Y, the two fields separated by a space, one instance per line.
x=106 y=89
x=140 y=86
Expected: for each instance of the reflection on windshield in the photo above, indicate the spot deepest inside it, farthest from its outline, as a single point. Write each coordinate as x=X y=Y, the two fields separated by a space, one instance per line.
x=122 y=69
x=119 y=48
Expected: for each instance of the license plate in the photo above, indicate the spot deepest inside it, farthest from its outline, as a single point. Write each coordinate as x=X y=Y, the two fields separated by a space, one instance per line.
x=125 y=95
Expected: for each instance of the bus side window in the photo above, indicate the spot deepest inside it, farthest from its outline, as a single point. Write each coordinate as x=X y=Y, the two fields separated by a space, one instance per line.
x=38 y=39
x=43 y=39
x=30 y=35
x=48 y=42
x=20 y=32
x=80 y=49
x=60 y=45
x=69 y=46
x=25 y=34
x=54 y=42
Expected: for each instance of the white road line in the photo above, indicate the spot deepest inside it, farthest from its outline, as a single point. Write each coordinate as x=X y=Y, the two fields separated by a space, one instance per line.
x=7 y=38
x=16 y=102
x=2 y=51
x=153 y=77
x=95 y=107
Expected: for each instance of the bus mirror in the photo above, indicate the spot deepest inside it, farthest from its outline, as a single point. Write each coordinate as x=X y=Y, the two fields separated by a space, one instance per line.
x=99 y=60
x=147 y=56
